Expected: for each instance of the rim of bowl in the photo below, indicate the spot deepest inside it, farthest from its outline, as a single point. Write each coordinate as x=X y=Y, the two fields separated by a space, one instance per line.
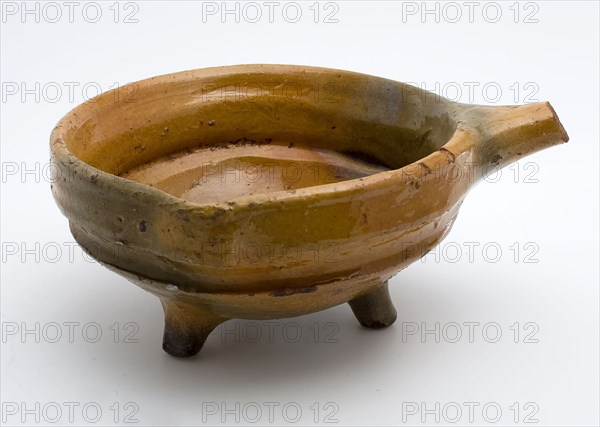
x=387 y=180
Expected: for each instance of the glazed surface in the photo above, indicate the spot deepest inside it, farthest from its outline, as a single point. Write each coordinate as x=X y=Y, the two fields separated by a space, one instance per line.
x=142 y=189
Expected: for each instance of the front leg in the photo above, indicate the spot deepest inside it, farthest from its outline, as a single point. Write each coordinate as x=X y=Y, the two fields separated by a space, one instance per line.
x=186 y=327
x=374 y=309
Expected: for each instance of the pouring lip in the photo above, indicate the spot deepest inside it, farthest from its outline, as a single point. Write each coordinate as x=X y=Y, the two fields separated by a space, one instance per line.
x=561 y=128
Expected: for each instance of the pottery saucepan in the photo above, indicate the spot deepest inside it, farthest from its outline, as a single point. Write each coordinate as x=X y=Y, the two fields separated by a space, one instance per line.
x=270 y=191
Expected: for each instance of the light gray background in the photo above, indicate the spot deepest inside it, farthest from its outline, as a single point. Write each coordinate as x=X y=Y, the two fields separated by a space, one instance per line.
x=547 y=205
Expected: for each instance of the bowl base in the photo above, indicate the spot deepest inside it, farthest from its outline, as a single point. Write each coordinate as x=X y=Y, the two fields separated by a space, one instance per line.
x=191 y=317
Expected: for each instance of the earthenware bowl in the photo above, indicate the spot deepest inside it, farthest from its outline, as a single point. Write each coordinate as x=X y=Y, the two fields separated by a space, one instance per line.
x=270 y=191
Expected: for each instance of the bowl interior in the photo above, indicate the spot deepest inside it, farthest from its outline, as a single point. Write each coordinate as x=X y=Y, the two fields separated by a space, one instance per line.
x=215 y=134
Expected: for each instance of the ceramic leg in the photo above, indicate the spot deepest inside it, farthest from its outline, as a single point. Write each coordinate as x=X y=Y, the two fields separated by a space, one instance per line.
x=186 y=328
x=375 y=309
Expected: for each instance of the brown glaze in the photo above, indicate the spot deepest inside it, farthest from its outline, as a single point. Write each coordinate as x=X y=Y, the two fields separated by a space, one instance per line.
x=269 y=191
